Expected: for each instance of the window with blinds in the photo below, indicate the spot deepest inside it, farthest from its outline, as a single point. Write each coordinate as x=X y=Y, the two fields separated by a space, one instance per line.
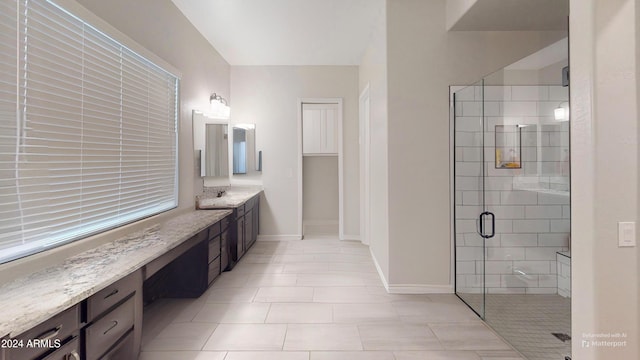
x=88 y=130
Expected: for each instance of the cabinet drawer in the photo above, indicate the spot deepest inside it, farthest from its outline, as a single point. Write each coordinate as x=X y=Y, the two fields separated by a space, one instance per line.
x=214 y=270
x=69 y=351
x=111 y=295
x=214 y=248
x=124 y=350
x=240 y=211
x=104 y=333
x=214 y=230
x=58 y=328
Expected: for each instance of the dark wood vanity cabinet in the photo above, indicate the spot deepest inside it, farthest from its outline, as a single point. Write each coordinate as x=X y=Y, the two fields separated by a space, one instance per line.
x=48 y=339
x=110 y=321
x=188 y=270
x=247 y=217
x=114 y=320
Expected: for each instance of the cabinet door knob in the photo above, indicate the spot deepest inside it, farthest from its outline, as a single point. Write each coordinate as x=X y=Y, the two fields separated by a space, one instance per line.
x=72 y=356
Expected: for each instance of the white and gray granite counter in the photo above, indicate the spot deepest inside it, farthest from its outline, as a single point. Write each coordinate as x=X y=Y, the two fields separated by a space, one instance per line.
x=30 y=300
x=232 y=198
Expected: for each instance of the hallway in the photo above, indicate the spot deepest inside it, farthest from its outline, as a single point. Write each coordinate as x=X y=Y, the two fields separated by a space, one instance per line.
x=316 y=299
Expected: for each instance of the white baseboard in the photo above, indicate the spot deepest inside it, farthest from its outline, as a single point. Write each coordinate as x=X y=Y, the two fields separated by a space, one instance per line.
x=279 y=237
x=350 y=237
x=410 y=288
x=419 y=289
x=379 y=269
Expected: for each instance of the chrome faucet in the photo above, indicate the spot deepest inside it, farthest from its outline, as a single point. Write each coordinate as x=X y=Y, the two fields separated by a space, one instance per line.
x=221 y=192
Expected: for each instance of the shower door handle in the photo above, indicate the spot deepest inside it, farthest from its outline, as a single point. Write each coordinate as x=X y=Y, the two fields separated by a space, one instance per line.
x=493 y=225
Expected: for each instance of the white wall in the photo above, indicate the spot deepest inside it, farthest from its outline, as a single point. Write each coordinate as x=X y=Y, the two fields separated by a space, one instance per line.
x=373 y=73
x=267 y=96
x=161 y=28
x=423 y=60
x=604 y=166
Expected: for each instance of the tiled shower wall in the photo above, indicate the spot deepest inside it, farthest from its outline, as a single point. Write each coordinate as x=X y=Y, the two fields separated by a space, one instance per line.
x=531 y=204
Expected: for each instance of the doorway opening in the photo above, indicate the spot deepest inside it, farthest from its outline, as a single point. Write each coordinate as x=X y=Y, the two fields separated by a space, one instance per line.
x=320 y=164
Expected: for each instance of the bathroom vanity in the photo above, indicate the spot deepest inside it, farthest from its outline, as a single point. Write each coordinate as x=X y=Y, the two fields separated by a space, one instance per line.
x=90 y=306
x=244 y=202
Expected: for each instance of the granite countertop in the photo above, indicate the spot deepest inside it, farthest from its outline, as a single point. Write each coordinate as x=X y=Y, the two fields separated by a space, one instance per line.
x=30 y=300
x=232 y=198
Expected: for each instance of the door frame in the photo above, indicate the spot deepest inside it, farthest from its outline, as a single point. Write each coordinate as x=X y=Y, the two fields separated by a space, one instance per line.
x=365 y=164
x=339 y=102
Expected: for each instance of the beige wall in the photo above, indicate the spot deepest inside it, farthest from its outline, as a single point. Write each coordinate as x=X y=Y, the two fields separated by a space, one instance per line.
x=456 y=9
x=373 y=73
x=423 y=60
x=320 y=189
x=267 y=96
x=161 y=28
x=604 y=173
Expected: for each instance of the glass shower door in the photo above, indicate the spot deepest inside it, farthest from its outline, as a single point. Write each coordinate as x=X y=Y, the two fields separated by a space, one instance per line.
x=470 y=232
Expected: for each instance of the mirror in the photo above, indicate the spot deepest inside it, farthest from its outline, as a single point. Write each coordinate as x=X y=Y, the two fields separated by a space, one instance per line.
x=210 y=138
x=216 y=155
x=245 y=159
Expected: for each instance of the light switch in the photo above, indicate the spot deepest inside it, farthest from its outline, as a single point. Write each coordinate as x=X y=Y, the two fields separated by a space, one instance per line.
x=627 y=234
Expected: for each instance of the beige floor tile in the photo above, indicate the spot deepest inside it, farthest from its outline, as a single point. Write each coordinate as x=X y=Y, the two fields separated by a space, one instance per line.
x=181 y=336
x=231 y=295
x=398 y=337
x=284 y=294
x=247 y=337
x=322 y=337
x=468 y=336
x=231 y=279
x=499 y=355
x=436 y=355
x=351 y=355
x=434 y=312
x=182 y=355
x=347 y=294
x=302 y=268
x=259 y=259
x=260 y=280
x=296 y=258
x=334 y=279
x=267 y=355
x=352 y=267
x=299 y=313
x=249 y=268
x=254 y=313
x=364 y=313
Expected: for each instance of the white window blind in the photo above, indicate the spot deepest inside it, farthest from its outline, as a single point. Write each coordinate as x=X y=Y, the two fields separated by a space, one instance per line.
x=88 y=139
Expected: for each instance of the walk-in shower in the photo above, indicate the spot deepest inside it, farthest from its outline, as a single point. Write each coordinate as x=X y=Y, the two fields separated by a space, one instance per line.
x=512 y=208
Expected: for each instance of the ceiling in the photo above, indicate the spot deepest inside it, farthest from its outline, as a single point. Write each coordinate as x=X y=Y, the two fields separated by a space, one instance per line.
x=515 y=15
x=286 y=32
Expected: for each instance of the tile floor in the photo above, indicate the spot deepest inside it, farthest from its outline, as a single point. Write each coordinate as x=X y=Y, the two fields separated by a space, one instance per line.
x=314 y=300
x=528 y=321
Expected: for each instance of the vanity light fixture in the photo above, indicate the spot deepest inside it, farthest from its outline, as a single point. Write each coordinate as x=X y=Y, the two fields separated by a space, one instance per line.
x=561 y=113
x=219 y=106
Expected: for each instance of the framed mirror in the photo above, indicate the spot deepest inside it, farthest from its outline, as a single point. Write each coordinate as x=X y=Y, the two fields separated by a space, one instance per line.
x=246 y=160
x=211 y=142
